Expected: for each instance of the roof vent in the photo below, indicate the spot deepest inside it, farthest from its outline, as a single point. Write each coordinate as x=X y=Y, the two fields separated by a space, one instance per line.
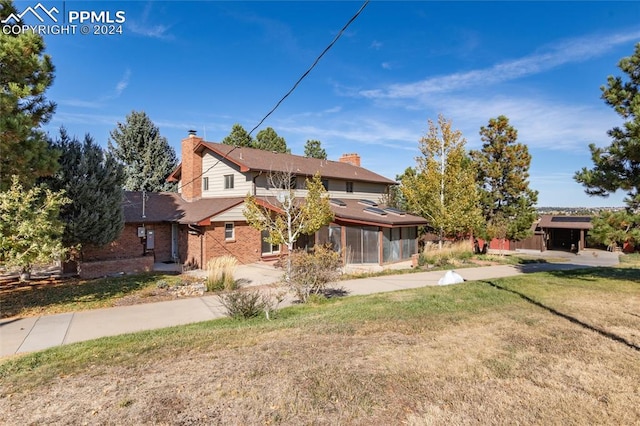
x=192 y=132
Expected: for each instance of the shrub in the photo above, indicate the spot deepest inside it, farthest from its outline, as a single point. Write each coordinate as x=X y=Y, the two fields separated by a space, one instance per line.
x=220 y=273
x=243 y=304
x=311 y=272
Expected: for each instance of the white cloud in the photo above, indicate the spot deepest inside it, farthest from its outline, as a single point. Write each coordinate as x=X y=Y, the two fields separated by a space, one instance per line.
x=147 y=30
x=376 y=45
x=549 y=57
x=123 y=83
x=541 y=123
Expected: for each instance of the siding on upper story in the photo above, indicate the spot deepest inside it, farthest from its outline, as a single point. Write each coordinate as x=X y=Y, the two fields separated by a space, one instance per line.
x=215 y=171
x=234 y=214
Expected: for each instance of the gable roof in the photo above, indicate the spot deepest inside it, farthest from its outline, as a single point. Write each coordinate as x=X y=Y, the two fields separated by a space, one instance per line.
x=251 y=159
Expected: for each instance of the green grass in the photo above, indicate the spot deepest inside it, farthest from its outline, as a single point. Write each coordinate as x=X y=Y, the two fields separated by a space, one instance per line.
x=75 y=295
x=469 y=353
x=426 y=308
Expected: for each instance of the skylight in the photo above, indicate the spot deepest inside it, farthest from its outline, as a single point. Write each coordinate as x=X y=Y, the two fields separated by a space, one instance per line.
x=368 y=203
x=395 y=211
x=375 y=210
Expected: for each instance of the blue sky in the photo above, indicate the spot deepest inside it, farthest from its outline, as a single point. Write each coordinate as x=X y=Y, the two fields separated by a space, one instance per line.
x=207 y=65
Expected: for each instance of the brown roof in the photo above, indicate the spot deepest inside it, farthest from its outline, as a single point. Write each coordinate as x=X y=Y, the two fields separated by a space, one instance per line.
x=358 y=212
x=170 y=207
x=251 y=159
x=367 y=212
x=565 y=222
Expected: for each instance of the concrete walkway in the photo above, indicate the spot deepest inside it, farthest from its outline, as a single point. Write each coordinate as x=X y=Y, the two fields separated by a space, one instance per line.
x=21 y=335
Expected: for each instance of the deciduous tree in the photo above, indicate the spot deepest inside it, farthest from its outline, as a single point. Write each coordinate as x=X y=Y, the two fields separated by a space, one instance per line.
x=443 y=188
x=146 y=156
x=313 y=149
x=507 y=202
x=25 y=74
x=30 y=227
x=286 y=217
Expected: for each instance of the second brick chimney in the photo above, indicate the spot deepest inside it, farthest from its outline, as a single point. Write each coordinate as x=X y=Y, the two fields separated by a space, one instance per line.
x=191 y=175
x=351 y=158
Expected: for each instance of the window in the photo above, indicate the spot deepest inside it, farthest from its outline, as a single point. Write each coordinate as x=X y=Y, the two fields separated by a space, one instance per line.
x=228 y=181
x=325 y=183
x=268 y=248
x=205 y=183
x=229 y=231
x=349 y=186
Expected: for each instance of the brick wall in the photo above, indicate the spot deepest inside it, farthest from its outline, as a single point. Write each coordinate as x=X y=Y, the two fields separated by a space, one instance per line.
x=129 y=245
x=191 y=180
x=101 y=268
x=126 y=246
x=245 y=246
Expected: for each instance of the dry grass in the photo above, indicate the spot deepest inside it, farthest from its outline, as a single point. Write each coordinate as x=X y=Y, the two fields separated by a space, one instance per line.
x=451 y=253
x=220 y=272
x=467 y=354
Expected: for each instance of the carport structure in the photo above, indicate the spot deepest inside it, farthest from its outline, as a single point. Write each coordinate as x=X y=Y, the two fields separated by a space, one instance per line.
x=565 y=232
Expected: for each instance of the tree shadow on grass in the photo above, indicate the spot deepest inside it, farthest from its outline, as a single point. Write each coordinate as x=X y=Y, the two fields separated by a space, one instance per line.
x=594 y=274
x=17 y=299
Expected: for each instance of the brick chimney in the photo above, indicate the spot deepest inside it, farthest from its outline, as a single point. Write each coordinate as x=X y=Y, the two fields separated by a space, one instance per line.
x=191 y=179
x=352 y=158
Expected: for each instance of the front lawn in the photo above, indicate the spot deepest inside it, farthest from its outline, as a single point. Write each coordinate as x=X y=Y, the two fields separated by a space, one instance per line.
x=44 y=297
x=471 y=353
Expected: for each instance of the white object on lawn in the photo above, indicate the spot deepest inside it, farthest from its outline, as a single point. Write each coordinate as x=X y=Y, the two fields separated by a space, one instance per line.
x=451 y=277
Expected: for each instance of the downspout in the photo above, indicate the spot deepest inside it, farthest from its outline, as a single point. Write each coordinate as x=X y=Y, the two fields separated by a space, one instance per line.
x=253 y=181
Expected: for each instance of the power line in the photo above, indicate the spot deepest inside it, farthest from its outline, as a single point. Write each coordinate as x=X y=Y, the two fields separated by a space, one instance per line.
x=293 y=88
x=353 y=18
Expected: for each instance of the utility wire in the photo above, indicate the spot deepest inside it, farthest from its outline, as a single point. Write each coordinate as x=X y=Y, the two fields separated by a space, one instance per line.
x=306 y=73
x=353 y=18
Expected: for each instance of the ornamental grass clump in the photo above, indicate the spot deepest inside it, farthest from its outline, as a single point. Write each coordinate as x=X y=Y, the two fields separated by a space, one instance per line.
x=220 y=272
x=451 y=253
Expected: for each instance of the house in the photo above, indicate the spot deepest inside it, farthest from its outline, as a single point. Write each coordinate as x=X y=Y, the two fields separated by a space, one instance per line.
x=205 y=219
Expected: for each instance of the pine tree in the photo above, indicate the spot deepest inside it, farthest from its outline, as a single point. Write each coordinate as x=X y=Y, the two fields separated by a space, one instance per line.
x=618 y=165
x=25 y=74
x=443 y=188
x=268 y=140
x=92 y=179
x=613 y=229
x=147 y=157
x=238 y=137
x=313 y=149
x=502 y=175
